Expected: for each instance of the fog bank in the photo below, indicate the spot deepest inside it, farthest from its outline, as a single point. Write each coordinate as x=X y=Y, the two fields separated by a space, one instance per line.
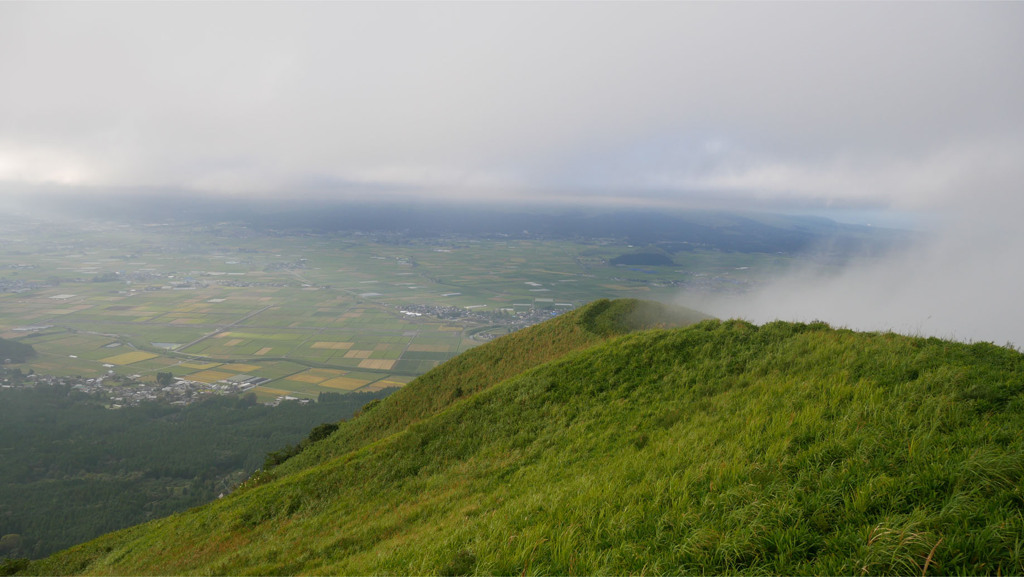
x=961 y=280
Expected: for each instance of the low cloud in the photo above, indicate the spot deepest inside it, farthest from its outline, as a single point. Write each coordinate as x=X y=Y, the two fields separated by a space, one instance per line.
x=961 y=280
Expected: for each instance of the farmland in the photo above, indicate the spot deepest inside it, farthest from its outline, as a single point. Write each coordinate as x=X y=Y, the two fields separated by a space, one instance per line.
x=301 y=313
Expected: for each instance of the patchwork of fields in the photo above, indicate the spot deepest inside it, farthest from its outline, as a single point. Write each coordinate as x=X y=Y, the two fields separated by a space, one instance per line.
x=302 y=314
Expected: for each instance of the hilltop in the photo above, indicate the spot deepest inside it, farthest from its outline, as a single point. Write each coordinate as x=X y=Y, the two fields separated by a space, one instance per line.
x=585 y=446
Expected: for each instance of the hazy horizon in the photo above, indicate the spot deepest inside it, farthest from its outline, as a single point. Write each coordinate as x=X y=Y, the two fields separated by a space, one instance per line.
x=900 y=113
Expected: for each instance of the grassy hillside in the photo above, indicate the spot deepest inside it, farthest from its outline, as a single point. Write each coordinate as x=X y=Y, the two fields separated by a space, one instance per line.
x=489 y=364
x=719 y=448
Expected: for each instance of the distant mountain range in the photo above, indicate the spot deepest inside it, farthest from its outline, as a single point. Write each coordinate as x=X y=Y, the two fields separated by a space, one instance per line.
x=628 y=437
x=672 y=230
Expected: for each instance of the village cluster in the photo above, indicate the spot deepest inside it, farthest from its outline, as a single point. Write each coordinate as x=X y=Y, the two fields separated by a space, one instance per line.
x=126 y=391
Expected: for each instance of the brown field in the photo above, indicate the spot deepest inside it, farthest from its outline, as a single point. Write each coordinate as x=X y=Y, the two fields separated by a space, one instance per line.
x=383 y=364
x=332 y=345
x=233 y=342
x=263 y=351
x=357 y=354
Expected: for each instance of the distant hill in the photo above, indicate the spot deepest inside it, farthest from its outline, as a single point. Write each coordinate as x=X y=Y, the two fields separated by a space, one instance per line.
x=581 y=447
x=674 y=230
x=15 y=352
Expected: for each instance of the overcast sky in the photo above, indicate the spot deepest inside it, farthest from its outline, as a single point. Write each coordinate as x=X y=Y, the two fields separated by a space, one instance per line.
x=869 y=104
x=905 y=107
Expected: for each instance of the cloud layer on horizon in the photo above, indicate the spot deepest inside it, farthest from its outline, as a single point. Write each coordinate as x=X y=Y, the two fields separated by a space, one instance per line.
x=911 y=107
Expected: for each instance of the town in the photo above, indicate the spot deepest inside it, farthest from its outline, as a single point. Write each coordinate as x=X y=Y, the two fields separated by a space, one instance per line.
x=118 y=391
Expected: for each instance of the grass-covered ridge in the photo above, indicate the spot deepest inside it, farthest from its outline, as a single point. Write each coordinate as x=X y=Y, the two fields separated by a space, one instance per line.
x=719 y=448
x=489 y=364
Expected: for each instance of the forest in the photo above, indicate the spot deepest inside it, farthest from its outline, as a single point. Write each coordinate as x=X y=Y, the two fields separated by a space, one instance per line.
x=15 y=352
x=73 y=470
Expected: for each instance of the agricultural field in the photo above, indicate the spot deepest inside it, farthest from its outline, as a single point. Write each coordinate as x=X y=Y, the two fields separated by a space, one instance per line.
x=304 y=314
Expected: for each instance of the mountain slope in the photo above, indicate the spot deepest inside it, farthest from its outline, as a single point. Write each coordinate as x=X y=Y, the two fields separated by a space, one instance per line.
x=491 y=363
x=719 y=448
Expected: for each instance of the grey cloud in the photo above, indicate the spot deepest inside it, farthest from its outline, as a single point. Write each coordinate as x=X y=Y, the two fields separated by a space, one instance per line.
x=184 y=94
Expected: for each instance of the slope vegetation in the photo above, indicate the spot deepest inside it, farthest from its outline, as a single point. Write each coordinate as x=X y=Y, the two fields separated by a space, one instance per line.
x=489 y=364
x=718 y=448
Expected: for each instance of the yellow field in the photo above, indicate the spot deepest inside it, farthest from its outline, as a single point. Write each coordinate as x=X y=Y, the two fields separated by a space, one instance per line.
x=240 y=368
x=357 y=354
x=383 y=364
x=332 y=345
x=210 y=376
x=263 y=351
x=200 y=366
x=429 y=348
x=344 y=383
x=233 y=342
x=129 y=358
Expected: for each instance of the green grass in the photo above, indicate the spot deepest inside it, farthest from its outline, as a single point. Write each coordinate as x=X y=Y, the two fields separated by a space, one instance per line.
x=723 y=448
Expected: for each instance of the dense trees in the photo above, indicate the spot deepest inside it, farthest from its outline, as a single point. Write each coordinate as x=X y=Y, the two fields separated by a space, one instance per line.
x=73 y=470
x=15 y=352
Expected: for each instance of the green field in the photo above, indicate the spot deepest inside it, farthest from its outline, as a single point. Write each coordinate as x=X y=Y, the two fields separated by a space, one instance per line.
x=182 y=295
